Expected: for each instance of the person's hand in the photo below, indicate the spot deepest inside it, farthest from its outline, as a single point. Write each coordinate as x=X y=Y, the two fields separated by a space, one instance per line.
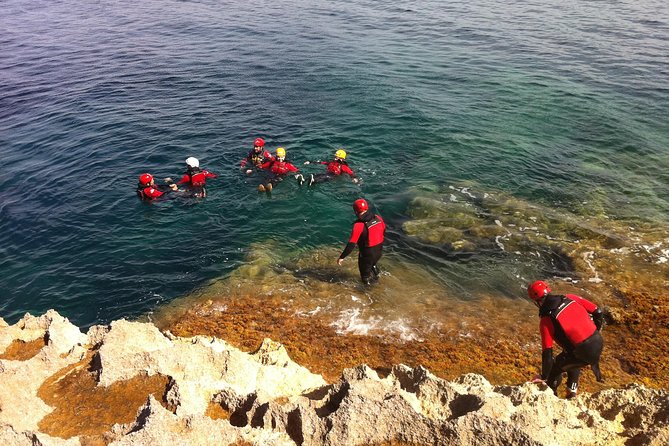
x=537 y=380
x=355 y=180
x=340 y=261
x=307 y=162
x=173 y=187
x=249 y=171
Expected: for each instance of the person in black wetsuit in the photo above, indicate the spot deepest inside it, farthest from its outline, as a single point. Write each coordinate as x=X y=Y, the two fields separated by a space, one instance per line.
x=369 y=233
x=575 y=324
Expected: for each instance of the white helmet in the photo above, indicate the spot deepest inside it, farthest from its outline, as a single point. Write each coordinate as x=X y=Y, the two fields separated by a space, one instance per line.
x=192 y=162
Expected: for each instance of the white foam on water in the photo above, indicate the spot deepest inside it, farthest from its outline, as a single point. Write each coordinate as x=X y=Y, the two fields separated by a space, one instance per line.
x=500 y=244
x=586 y=257
x=350 y=321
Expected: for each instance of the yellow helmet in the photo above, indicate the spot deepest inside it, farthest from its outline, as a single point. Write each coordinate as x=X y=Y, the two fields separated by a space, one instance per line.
x=340 y=154
x=281 y=152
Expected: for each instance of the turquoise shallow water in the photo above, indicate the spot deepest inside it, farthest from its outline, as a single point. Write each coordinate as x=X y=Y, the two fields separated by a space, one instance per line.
x=556 y=104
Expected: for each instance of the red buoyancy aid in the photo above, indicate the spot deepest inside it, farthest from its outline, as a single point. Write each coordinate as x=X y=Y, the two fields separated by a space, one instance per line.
x=374 y=235
x=571 y=322
x=281 y=167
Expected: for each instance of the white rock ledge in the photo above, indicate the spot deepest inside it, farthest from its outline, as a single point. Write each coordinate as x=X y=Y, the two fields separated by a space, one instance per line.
x=274 y=401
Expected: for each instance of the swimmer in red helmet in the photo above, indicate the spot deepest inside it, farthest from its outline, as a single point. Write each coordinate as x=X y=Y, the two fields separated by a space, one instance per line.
x=148 y=190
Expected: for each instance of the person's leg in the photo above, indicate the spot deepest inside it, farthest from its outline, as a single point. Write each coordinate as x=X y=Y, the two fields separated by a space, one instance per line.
x=365 y=266
x=320 y=178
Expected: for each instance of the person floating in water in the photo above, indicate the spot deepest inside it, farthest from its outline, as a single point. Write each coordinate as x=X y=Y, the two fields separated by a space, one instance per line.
x=196 y=178
x=335 y=168
x=369 y=233
x=575 y=324
x=148 y=190
x=277 y=168
x=256 y=157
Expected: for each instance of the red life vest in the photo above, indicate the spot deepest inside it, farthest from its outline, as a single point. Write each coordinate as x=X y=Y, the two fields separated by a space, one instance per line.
x=571 y=322
x=198 y=179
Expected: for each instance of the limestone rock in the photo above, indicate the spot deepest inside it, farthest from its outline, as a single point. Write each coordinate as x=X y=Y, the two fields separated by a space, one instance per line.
x=269 y=400
x=157 y=426
x=19 y=405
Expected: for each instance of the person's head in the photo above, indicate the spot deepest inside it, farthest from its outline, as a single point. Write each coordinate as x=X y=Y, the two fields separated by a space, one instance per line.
x=258 y=145
x=340 y=155
x=537 y=291
x=280 y=153
x=192 y=163
x=360 y=206
x=146 y=179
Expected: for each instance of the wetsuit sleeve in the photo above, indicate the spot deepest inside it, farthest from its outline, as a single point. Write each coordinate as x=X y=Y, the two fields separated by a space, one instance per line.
x=598 y=318
x=153 y=192
x=355 y=236
x=546 y=363
x=323 y=162
x=347 y=170
x=291 y=168
x=184 y=179
x=266 y=165
x=243 y=163
x=209 y=174
x=347 y=250
x=547 y=332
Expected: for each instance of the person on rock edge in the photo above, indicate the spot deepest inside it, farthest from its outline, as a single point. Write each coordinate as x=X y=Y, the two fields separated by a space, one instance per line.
x=368 y=232
x=147 y=190
x=575 y=324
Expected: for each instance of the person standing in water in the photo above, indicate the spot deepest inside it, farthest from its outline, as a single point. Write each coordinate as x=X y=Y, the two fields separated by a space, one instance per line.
x=277 y=168
x=368 y=233
x=575 y=324
x=147 y=190
x=335 y=168
x=256 y=157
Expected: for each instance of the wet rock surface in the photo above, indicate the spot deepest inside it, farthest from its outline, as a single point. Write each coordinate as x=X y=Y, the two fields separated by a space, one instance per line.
x=201 y=390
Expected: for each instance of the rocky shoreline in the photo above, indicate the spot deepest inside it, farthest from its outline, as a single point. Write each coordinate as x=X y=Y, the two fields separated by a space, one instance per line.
x=128 y=383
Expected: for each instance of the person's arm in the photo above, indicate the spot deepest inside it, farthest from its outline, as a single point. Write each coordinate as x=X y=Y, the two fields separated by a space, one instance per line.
x=266 y=165
x=348 y=170
x=547 y=332
x=208 y=174
x=291 y=168
x=355 y=236
x=184 y=179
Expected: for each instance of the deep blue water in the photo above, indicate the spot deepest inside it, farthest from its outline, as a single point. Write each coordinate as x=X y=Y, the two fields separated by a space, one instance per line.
x=553 y=102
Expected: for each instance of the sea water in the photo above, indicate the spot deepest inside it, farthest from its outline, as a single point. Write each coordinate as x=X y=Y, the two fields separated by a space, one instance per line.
x=559 y=105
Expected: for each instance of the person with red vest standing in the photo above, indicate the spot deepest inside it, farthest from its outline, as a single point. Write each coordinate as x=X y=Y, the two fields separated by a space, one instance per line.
x=368 y=233
x=575 y=324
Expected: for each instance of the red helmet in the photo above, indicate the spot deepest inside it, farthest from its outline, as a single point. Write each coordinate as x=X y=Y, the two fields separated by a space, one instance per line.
x=538 y=290
x=259 y=142
x=360 y=206
x=145 y=178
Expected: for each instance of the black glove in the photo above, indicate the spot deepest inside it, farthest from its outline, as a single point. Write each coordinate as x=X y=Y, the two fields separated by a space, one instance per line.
x=598 y=319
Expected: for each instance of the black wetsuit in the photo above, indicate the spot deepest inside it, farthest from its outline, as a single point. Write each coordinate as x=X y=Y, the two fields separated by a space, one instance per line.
x=578 y=335
x=369 y=233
